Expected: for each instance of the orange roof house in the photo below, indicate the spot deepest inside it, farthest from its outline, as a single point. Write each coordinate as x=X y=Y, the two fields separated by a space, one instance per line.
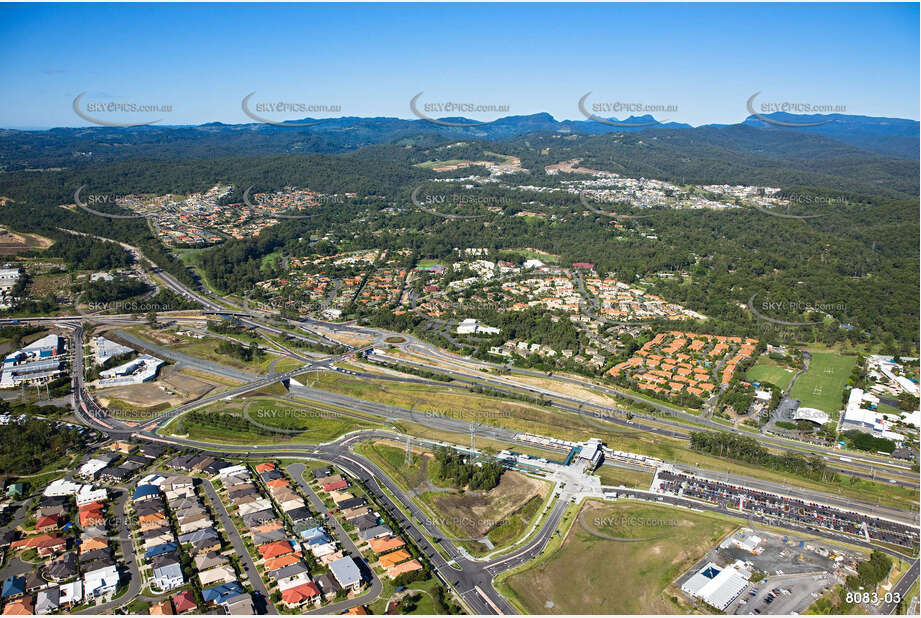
x=274 y=549
x=184 y=601
x=394 y=558
x=300 y=594
x=383 y=545
x=96 y=542
x=20 y=607
x=273 y=564
x=405 y=567
x=91 y=517
x=47 y=523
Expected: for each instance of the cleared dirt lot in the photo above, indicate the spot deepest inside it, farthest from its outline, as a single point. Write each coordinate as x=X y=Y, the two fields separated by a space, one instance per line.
x=473 y=513
x=179 y=388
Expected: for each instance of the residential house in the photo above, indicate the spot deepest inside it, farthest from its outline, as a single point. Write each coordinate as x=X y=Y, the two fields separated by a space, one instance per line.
x=167 y=574
x=346 y=572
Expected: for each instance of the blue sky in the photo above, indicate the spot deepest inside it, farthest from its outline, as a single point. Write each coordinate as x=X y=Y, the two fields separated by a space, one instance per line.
x=371 y=59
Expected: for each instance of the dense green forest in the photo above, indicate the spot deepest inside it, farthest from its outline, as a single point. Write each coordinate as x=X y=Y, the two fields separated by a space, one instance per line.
x=120 y=288
x=860 y=257
x=453 y=467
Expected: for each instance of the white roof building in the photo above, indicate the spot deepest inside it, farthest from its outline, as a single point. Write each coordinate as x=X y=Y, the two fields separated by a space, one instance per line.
x=106 y=349
x=88 y=495
x=141 y=369
x=91 y=467
x=100 y=582
x=470 y=326
x=718 y=587
x=62 y=487
x=71 y=593
x=912 y=418
x=811 y=414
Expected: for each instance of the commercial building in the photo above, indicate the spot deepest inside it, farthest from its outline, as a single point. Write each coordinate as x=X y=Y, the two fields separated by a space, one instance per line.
x=470 y=326
x=811 y=414
x=38 y=362
x=135 y=371
x=864 y=419
x=716 y=586
x=106 y=349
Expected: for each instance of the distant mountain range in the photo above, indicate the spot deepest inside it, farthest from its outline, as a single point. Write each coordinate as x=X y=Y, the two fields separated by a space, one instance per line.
x=69 y=147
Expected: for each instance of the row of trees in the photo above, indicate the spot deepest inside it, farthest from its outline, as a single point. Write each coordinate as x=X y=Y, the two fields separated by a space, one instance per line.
x=748 y=450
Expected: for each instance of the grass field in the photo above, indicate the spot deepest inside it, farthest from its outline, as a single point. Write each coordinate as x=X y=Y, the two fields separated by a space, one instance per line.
x=436 y=400
x=270 y=421
x=636 y=479
x=768 y=371
x=822 y=385
x=589 y=574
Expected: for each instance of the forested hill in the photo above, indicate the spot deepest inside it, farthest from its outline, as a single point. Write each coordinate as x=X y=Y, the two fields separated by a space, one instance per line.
x=76 y=147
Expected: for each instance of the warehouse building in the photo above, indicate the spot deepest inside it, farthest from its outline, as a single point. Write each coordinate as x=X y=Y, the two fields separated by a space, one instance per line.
x=38 y=362
x=717 y=586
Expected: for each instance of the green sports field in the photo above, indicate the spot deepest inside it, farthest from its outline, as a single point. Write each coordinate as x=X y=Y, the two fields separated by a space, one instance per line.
x=822 y=385
x=773 y=374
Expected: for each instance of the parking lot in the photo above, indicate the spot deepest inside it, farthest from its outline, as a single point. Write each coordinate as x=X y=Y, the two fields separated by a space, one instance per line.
x=784 y=594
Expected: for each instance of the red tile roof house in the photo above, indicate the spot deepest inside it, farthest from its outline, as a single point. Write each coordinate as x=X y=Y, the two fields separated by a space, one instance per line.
x=274 y=549
x=298 y=595
x=184 y=602
x=335 y=486
x=47 y=523
x=45 y=544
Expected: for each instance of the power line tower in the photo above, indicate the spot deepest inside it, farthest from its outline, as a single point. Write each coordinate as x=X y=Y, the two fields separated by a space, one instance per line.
x=409 y=454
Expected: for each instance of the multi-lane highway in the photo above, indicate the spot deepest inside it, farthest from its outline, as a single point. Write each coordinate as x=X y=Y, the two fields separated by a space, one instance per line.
x=470 y=578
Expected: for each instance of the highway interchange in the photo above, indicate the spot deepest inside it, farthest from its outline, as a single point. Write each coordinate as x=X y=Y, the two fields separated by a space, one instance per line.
x=470 y=578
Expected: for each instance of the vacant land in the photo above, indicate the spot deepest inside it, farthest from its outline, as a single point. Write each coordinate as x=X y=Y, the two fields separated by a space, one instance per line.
x=433 y=401
x=766 y=370
x=637 y=479
x=591 y=574
x=171 y=388
x=265 y=421
x=501 y=514
x=12 y=243
x=822 y=385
